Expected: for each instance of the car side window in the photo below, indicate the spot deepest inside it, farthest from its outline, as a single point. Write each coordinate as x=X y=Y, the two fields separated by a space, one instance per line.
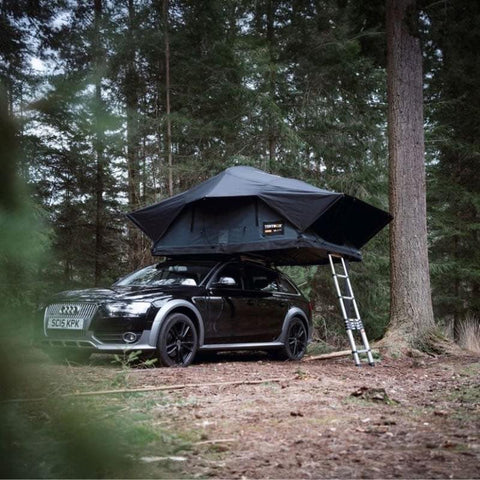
x=230 y=276
x=286 y=286
x=263 y=279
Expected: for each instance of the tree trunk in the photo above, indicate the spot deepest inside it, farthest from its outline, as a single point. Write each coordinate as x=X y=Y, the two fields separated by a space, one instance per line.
x=131 y=98
x=168 y=145
x=99 y=138
x=411 y=314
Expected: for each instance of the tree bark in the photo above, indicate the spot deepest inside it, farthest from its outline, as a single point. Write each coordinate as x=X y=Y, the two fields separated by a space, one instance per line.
x=168 y=145
x=411 y=313
x=99 y=140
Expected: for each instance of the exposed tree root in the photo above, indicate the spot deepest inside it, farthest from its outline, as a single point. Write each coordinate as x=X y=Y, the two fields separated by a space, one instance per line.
x=397 y=343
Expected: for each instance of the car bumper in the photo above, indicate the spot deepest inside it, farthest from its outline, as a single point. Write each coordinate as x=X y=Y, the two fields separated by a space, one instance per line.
x=88 y=341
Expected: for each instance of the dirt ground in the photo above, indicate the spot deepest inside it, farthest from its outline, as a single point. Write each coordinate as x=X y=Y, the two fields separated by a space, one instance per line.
x=410 y=418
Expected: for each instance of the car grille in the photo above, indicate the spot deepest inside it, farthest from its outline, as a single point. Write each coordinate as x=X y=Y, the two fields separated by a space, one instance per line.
x=70 y=311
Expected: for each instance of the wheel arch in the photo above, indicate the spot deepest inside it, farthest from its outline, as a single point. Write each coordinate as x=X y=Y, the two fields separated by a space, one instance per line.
x=177 y=306
x=294 y=312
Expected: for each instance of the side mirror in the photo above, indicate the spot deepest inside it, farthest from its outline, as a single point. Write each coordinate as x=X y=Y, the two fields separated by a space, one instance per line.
x=225 y=282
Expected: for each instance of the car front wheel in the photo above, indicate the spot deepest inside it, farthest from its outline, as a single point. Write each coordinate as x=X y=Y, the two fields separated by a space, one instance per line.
x=177 y=342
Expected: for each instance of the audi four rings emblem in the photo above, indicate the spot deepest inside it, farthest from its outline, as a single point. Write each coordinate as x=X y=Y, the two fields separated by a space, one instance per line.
x=69 y=309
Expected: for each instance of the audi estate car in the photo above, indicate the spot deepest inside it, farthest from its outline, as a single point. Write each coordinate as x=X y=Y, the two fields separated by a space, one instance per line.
x=176 y=308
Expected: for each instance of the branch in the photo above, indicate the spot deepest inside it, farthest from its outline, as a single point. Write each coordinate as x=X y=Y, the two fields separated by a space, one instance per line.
x=325 y=356
x=148 y=389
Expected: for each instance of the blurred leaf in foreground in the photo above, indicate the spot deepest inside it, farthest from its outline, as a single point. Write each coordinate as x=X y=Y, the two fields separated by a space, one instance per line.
x=58 y=437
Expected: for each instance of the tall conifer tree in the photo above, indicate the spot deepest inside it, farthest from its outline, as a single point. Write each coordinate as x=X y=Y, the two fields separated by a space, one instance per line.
x=454 y=100
x=411 y=315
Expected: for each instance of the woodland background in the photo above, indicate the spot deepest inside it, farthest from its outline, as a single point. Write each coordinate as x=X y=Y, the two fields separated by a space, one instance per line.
x=119 y=104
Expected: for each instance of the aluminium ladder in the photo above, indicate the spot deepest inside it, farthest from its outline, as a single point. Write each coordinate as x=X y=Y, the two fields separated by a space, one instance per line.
x=352 y=319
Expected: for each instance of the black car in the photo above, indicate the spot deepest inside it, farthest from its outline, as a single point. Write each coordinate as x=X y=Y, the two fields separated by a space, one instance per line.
x=179 y=307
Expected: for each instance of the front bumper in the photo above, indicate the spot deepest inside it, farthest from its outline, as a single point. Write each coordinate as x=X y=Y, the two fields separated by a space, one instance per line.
x=99 y=330
x=88 y=341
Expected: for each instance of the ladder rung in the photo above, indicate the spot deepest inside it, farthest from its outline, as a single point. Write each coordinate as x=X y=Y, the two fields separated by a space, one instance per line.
x=363 y=351
x=339 y=275
x=347 y=298
x=353 y=319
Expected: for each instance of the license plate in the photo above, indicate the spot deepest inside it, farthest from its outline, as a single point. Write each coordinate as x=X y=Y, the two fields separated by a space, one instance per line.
x=65 y=323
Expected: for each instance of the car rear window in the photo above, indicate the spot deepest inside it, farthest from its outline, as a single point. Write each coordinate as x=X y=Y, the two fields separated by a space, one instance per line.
x=260 y=278
x=286 y=286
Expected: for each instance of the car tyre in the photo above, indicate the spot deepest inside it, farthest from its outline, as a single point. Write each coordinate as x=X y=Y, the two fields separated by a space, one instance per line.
x=296 y=341
x=177 y=342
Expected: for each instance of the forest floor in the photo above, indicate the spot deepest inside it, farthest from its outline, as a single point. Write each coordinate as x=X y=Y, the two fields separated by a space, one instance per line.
x=410 y=418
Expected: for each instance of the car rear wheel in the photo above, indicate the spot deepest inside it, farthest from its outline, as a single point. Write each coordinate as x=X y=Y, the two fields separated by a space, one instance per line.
x=177 y=342
x=295 y=341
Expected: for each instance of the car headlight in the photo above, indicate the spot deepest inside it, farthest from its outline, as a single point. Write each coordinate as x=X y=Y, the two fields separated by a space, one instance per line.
x=133 y=308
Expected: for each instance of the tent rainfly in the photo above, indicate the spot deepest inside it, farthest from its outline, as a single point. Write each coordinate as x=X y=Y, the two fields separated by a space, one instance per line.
x=244 y=210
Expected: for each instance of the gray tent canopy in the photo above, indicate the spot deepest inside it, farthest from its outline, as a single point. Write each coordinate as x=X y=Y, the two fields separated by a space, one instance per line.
x=244 y=210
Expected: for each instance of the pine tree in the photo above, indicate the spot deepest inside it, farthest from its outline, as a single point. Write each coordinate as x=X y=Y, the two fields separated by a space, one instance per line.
x=285 y=87
x=335 y=104
x=455 y=193
x=76 y=179
x=411 y=314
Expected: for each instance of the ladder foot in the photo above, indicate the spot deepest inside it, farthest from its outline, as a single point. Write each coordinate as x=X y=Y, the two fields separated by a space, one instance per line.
x=372 y=364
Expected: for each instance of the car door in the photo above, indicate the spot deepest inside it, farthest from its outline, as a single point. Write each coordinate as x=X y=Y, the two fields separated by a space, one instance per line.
x=228 y=308
x=269 y=304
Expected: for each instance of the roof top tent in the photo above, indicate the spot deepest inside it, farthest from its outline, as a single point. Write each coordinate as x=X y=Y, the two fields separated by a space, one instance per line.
x=246 y=211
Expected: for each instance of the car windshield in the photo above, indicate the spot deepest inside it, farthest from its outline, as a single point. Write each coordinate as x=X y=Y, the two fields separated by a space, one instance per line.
x=168 y=274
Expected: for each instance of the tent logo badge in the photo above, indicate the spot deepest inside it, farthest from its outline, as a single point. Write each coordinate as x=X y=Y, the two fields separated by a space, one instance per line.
x=273 y=228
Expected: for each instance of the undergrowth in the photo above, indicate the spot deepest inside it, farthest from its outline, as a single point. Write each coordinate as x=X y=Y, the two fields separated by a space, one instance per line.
x=469 y=334
x=81 y=437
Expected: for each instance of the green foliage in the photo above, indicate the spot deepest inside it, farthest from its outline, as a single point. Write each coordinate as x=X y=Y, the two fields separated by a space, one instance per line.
x=319 y=348
x=285 y=89
x=127 y=361
x=454 y=195
x=133 y=359
x=297 y=89
x=64 y=441
x=54 y=437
